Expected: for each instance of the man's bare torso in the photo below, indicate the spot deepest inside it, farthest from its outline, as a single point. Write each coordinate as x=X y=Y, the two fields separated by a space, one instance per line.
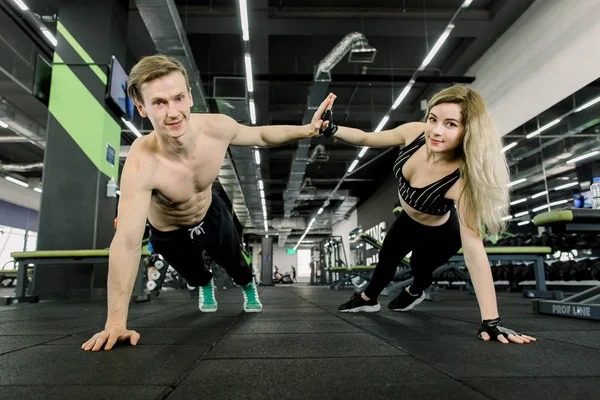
x=182 y=192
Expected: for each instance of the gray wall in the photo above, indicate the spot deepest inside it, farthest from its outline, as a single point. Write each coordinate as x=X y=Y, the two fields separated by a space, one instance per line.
x=379 y=208
x=380 y=205
x=18 y=217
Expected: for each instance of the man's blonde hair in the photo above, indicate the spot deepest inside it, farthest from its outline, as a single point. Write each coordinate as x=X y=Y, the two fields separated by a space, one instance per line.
x=150 y=68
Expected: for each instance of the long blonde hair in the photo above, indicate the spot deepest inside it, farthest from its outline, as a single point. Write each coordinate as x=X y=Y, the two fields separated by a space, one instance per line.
x=483 y=165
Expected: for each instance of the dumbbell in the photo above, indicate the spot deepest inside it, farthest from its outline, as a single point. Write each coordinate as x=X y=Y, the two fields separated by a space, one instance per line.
x=595 y=270
x=582 y=271
x=552 y=271
x=528 y=273
x=154 y=275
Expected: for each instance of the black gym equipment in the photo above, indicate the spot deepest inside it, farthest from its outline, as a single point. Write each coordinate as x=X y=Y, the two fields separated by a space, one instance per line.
x=26 y=260
x=586 y=304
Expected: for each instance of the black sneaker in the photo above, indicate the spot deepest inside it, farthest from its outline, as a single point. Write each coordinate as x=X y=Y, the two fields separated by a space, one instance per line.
x=406 y=301
x=358 y=304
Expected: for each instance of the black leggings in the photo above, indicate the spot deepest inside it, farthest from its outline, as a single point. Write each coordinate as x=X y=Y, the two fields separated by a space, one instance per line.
x=431 y=246
x=182 y=248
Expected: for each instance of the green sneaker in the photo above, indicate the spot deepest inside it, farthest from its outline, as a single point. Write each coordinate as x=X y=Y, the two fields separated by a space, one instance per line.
x=206 y=297
x=251 y=300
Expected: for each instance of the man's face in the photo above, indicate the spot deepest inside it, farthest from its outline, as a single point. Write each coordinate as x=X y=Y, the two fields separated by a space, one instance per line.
x=166 y=103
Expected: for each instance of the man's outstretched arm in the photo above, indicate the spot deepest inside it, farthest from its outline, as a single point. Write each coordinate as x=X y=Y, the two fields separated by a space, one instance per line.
x=278 y=135
x=125 y=254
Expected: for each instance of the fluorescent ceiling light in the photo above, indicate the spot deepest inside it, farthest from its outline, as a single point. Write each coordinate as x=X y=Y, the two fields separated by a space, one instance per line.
x=249 y=83
x=539 y=194
x=555 y=203
x=591 y=154
x=543 y=128
x=49 y=36
x=521 y=214
x=5 y=125
x=510 y=146
x=467 y=3
x=403 y=94
x=436 y=47
x=362 y=152
x=512 y=203
x=40 y=190
x=262 y=194
x=517 y=182
x=266 y=226
x=257 y=157
x=18 y=182
x=382 y=123
x=523 y=223
x=507 y=218
x=320 y=211
x=353 y=165
x=21 y=5
x=261 y=184
x=566 y=185
x=244 y=19
x=252 y=112
x=588 y=104
x=131 y=127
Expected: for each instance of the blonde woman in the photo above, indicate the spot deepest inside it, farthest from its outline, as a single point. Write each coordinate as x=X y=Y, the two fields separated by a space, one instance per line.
x=452 y=179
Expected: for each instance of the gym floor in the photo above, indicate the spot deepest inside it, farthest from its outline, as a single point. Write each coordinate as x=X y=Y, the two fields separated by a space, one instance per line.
x=299 y=347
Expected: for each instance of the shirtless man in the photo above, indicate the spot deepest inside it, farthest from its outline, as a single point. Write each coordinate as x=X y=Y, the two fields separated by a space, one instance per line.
x=167 y=180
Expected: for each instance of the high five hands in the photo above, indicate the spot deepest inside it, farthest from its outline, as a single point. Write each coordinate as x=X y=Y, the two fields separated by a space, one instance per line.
x=321 y=121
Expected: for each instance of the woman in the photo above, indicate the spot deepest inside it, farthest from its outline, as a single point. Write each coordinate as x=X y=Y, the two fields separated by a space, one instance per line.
x=453 y=180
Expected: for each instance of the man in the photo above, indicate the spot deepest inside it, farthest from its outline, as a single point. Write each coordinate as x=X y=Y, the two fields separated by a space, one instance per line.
x=167 y=180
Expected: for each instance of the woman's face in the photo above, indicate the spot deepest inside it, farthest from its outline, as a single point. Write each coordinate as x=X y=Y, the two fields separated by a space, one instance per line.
x=444 y=130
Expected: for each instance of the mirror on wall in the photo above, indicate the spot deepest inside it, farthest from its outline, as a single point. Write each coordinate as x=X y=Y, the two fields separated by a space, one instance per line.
x=553 y=158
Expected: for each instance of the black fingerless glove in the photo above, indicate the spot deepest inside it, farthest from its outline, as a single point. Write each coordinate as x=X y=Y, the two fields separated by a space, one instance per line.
x=331 y=128
x=493 y=327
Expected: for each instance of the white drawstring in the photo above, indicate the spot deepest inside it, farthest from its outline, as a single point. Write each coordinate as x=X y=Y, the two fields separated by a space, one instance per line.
x=197 y=230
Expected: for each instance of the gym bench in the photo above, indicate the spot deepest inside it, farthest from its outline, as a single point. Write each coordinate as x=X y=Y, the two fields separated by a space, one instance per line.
x=26 y=259
x=497 y=254
x=516 y=254
x=584 y=305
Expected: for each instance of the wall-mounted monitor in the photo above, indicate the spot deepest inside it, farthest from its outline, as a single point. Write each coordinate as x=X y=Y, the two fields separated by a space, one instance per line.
x=117 y=89
x=42 y=77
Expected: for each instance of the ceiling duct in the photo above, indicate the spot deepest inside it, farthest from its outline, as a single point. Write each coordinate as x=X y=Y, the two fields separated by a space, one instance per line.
x=231 y=97
x=166 y=30
x=21 y=167
x=344 y=209
x=288 y=223
x=318 y=154
x=322 y=194
x=353 y=41
x=22 y=124
x=13 y=139
x=246 y=171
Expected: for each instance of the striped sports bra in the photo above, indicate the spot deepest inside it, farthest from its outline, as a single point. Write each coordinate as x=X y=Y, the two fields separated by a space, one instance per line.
x=429 y=199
